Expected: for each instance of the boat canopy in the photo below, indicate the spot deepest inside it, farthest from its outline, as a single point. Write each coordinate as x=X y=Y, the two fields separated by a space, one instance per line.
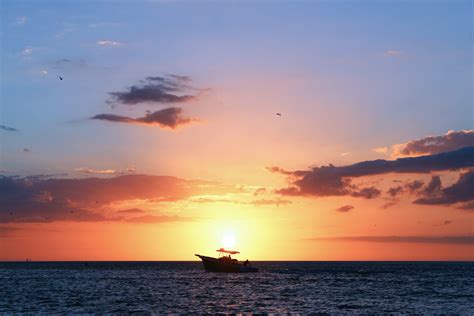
x=231 y=252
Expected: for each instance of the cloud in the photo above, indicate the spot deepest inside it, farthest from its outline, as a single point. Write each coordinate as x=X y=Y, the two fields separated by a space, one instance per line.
x=452 y=140
x=381 y=150
x=27 y=51
x=259 y=191
x=21 y=20
x=95 y=171
x=337 y=181
x=459 y=240
x=393 y=53
x=44 y=72
x=367 y=193
x=65 y=64
x=130 y=211
x=104 y=171
x=109 y=43
x=395 y=191
x=469 y=206
x=40 y=199
x=102 y=24
x=8 y=129
x=153 y=219
x=461 y=191
x=169 y=117
x=260 y=202
x=6 y=231
x=445 y=223
x=166 y=89
x=388 y=205
x=345 y=208
x=276 y=202
x=414 y=185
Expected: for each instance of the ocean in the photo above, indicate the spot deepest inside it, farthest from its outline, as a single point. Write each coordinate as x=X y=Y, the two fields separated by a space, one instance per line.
x=280 y=287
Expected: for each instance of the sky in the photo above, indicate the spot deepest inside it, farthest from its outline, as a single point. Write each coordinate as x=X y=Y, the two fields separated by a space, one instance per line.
x=148 y=130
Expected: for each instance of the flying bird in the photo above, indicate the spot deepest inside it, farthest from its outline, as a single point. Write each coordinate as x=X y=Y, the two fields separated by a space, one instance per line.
x=279 y=114
x=60 y=78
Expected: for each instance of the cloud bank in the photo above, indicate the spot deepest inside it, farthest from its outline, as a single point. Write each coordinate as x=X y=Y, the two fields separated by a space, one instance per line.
x=336 y=181
x=40 y=199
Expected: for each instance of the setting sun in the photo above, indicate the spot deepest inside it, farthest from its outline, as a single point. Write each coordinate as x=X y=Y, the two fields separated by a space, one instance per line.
x=228 y=240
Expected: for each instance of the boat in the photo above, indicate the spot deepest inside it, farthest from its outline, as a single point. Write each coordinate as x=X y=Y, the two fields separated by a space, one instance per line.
x=224 y=263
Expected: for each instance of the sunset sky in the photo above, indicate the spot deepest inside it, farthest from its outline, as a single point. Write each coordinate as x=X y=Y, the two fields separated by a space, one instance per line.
x=162 y=139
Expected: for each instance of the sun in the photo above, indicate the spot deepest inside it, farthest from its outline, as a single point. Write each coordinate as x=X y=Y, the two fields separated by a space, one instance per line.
x=228 y=240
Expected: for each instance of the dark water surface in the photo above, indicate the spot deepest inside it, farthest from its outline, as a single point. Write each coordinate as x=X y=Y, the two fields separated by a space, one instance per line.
x=280 y=287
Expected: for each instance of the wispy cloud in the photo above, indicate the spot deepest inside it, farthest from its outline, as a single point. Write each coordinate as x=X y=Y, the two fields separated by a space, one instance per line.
x=345 y=208
x=109 y=43
x=102 y=24
x=8 y=128
x=27 y=51
x=21 y=20
x=95 y=171
x=381 y=150
x=393 y=53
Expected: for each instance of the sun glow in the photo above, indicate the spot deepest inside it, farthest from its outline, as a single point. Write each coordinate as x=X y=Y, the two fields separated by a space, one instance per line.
x=228 y=240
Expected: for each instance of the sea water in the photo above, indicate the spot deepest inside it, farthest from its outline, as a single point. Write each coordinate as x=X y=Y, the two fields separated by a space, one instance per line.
x=279 y=287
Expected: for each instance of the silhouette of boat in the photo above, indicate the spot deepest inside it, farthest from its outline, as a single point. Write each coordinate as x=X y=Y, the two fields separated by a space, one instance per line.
x=224 y=263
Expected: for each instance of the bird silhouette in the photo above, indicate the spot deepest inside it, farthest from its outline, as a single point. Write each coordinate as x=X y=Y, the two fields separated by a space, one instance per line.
x=279 y=114
x=60 y=78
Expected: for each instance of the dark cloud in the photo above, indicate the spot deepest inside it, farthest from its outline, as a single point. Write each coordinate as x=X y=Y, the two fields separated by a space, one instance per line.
x=388 y=205
x=8 y=129
x=414 y=186
x=367 y=193
x=395 y=191
x=460 y=240
x=336 y=181
x=435 y=144
x=170 y=117
x=166 y=89
x=38 y=199
x=345 y=208
x=461 y=191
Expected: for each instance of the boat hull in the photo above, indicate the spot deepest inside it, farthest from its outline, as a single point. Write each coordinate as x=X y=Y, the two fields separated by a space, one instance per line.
x=216 y=265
